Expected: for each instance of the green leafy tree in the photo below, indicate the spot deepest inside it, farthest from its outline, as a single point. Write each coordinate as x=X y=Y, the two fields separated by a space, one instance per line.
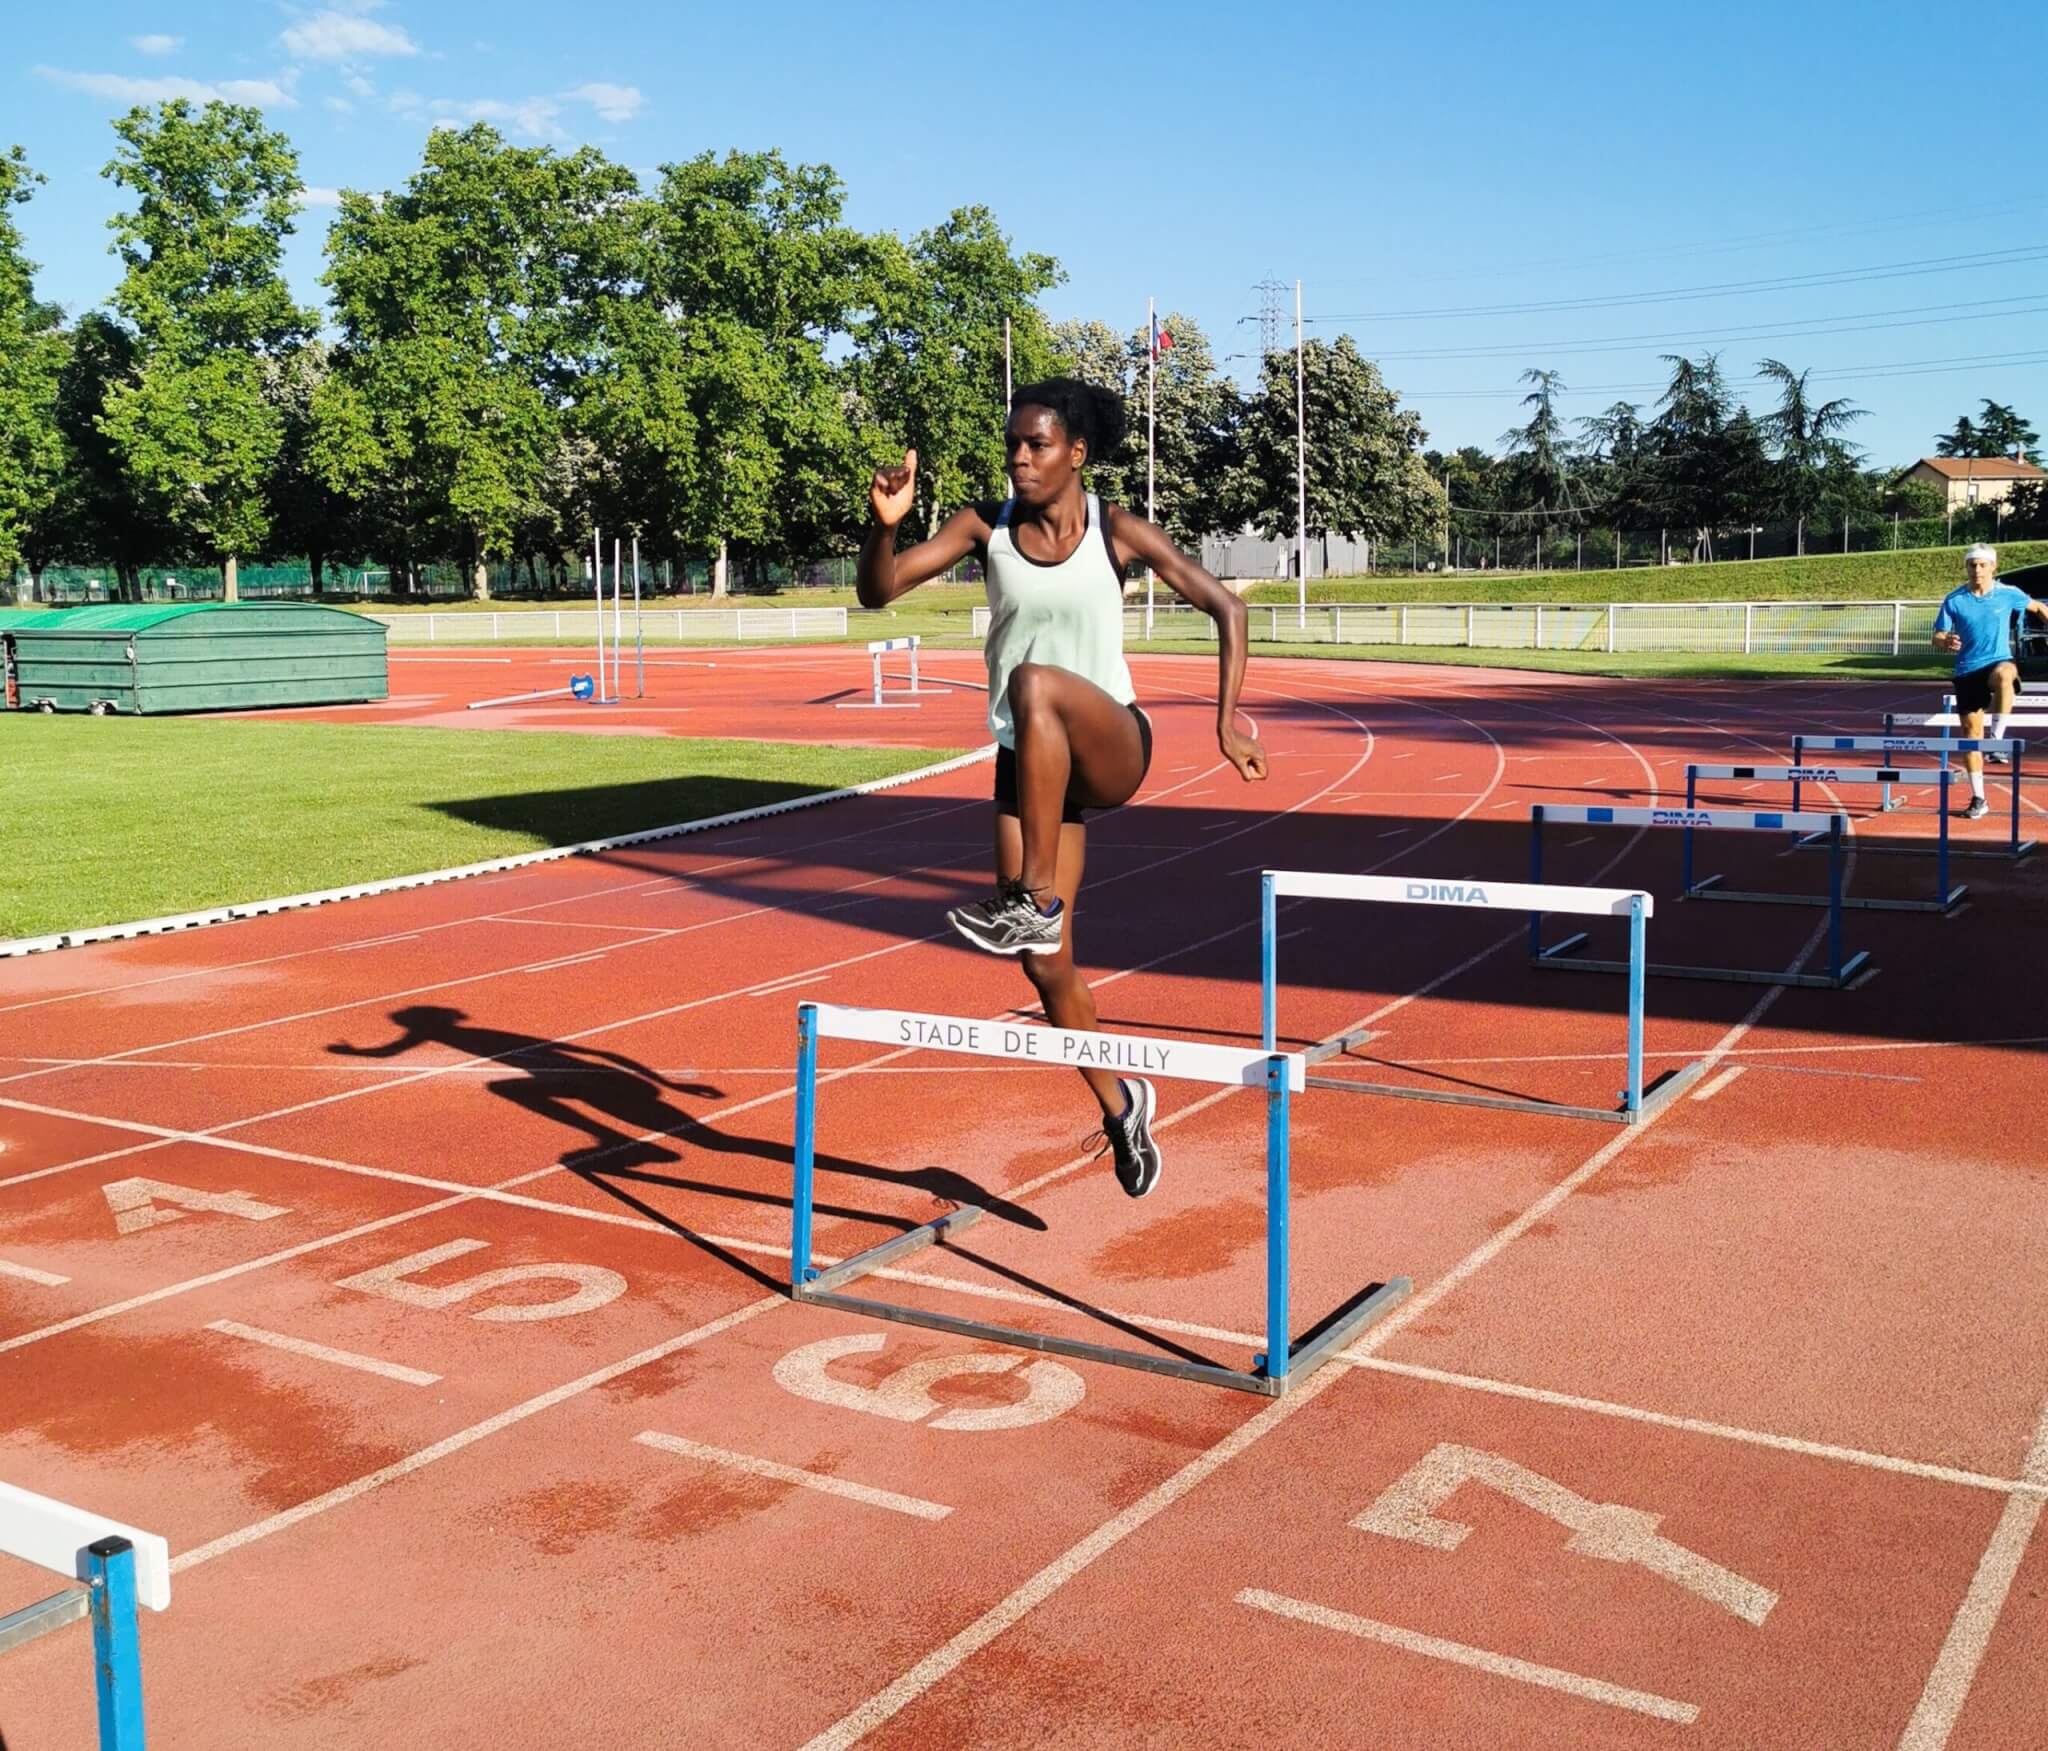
x=472 y=307
x=2004 y=432
x=32 y=357
x=1963 y=439
x=928 y=362
x=1905 y=496
x=1814 y=462
x=1366 y=476
x=215 y=191
x=1687 y=480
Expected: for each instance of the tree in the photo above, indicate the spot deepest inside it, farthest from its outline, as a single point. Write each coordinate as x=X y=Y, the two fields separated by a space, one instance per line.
x=1687 y=450
x=1196 y=414
x=2004 y=432
x=928 y=361
x=472 y=307
x=1814 y=464
x=1366 y=476
x=739 y=424
x=1962 y=440
x=1539 y=459
x=1905 y=496
x=204 y=297
x=32 y=356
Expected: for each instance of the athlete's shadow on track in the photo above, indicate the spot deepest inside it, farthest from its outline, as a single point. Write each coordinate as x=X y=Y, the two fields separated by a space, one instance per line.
x=620 y=1106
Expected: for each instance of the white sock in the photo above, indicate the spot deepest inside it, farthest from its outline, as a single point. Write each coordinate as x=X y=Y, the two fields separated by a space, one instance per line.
x=1977 y=785
x=1998 y=727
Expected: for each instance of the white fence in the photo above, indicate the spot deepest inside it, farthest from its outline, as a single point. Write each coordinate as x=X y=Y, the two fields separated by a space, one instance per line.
x=1722 y=628
x=579 y=625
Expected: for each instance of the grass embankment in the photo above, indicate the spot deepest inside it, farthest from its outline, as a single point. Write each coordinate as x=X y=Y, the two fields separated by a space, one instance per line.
x=110 y=819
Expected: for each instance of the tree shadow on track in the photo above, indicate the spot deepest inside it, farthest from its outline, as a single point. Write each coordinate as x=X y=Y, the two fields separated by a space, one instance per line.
x=620 y=1106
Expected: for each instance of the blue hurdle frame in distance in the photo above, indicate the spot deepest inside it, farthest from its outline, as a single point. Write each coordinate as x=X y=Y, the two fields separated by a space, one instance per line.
x=1636 y=1102
x=1281 y=1364
x=1688 y=821
x=1946 y=898
x=120 y=1567
x=2014 y=748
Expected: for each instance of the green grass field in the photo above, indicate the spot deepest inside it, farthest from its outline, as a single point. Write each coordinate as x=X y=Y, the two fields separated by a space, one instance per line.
x=111 y=819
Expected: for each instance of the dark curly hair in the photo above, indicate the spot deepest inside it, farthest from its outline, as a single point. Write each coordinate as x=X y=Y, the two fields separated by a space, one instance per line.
x=1093 y=414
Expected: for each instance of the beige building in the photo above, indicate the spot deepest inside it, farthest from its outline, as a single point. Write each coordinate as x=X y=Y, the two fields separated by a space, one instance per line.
x=1974 y=480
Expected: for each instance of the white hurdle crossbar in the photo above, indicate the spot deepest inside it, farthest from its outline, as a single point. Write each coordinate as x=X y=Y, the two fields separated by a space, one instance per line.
x=1636 y=1102
x=120 y=1568
x=1284 y=1361
x=891 y=698
x=1946 y=898
x=1689 y=821
x=2013 y=748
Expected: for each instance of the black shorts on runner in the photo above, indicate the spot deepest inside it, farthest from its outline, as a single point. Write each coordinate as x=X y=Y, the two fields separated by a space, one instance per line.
x=1973 y=691
x=1072 y=813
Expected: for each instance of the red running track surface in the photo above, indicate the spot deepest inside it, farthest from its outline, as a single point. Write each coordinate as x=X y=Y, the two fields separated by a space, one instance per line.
x=415 y=1266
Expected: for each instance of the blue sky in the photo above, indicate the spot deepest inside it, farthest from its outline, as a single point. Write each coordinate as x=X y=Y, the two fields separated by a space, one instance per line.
x=1487 y=158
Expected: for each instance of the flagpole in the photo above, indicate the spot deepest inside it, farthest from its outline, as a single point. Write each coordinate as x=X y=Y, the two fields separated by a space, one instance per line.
x=1151 y=423
x=1006 y=367
x=1300 y=468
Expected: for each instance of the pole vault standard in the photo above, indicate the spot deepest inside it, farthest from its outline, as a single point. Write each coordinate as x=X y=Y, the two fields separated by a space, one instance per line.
x=1636 y=1102
x=597 y=577
x=1284 y=1360
x=639 y=642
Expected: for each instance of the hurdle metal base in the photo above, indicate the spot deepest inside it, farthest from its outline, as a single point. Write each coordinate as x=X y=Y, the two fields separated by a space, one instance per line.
x=1561 y=956
x=879 y=704
x=820 y=1288
x=1655 y=1096
x=32 y=1622
x=2005 y=853
x=1710 y=888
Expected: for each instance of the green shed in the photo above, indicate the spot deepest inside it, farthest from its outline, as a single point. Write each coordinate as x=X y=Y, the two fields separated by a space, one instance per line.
x=192 y=656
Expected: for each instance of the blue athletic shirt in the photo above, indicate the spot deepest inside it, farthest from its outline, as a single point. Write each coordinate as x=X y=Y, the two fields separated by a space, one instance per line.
x=1984 y=621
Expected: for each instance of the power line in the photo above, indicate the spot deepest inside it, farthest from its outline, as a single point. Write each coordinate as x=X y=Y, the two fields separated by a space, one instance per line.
x=1862 y=373
x=1801 y=329
x=1943 y=264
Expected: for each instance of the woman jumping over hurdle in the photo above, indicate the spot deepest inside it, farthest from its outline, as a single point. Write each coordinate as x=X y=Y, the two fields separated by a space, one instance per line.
x=1060 y=702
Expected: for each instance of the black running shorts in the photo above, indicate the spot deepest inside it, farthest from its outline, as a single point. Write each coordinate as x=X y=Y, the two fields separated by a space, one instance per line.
x=1006 y=774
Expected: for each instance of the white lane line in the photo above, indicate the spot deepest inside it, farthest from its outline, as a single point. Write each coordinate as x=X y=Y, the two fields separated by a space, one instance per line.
x=1962 y=1651
x=914 y=1506
x=1862 y=979
x=1583 y=839
x=29 y=1274
x=468 y=1437
x=777 y=987
x=1707 y=1090
x=1642 y=1702
x=1398 y=833
x=276 y=1340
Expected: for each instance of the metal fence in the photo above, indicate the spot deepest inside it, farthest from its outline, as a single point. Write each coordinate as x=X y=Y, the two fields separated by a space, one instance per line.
x=1721 y=628
x=571 y=625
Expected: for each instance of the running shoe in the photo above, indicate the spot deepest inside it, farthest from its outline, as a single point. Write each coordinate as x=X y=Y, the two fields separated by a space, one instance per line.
x=1011 y=923
x=1997 y=760
x=1977 y=810
x=1129 y=1139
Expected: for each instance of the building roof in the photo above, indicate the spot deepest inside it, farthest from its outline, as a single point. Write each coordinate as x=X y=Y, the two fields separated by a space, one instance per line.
x=1981 y=468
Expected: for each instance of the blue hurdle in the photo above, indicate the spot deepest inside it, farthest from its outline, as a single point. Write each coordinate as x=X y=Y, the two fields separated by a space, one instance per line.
x=1284 y=1361
x=1636 y=1102
x=2014 y=748
x=120 y=1568
x=1690 y=821
x=1946 y=898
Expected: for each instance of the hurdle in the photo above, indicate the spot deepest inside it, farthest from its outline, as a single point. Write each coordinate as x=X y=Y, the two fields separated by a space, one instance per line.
x=2013 y=748
x=1946 y=898
x=1283 y=1363
x=891 y=699
x=1636 y=1102
x=1690 y=820
x=119 y=1568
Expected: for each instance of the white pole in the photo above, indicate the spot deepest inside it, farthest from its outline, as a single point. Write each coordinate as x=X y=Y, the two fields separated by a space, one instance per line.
x=639 y=641
x=1006 y=367
x=1300 y=468
x=618 y=626
x=1151 y=430
x=597 y=575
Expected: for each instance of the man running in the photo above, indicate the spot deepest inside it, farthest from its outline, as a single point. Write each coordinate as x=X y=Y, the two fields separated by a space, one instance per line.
x=1061 y=707
x=1974 y=622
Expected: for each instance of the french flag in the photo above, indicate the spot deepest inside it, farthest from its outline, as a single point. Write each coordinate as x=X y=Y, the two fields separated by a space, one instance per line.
x=1161 y=340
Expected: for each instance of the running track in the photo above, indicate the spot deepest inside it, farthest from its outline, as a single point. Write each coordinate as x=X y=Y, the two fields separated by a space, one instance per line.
x=414 y=1265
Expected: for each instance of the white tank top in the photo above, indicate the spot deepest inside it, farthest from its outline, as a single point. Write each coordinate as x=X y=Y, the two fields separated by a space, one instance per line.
x=1069 y=615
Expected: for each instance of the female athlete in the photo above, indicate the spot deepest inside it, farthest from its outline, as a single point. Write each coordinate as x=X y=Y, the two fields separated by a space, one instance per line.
x=1060 y=702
